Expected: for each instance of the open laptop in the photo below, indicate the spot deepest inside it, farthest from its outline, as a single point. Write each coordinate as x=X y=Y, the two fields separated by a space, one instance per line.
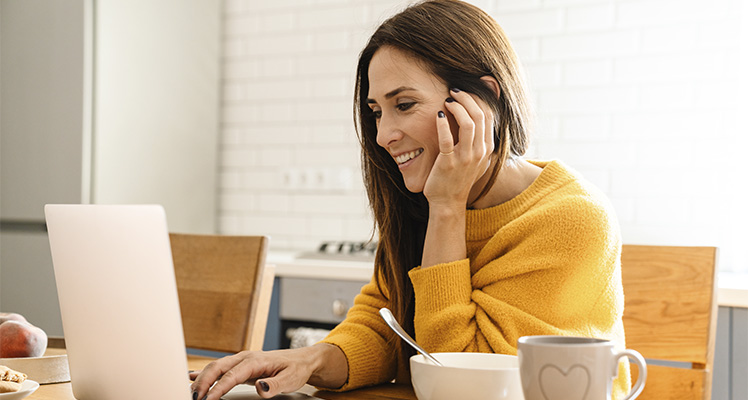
x=119 y=304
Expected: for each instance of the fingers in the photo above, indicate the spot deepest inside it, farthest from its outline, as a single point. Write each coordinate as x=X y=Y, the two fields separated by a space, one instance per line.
x=263 y=389
x=446 y=143
x=283 y=382
x=234 y=376
x=213 y=372
x=471 y=119
x=466 y=124
x=193 y=375
x=271 y=373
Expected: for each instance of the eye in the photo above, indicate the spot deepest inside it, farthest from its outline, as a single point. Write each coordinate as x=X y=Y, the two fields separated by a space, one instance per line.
x=405 y=106
x=374 y=110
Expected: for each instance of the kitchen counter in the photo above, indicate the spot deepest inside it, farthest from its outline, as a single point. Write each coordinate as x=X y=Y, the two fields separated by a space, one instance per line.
x=289 y=264
x=732 y=292
x=733 y=289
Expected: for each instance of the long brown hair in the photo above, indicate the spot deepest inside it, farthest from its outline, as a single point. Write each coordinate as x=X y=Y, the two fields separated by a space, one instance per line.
x=459 y=43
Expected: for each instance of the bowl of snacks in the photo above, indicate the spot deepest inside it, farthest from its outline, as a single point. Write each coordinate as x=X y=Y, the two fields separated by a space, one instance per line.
x=14 y=385
x=24 y=347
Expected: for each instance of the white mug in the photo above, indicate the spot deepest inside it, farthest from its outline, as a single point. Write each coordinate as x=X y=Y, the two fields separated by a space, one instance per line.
x=573 y=368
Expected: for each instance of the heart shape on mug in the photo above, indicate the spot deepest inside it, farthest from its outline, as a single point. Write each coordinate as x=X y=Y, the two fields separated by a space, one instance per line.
x=570 y=385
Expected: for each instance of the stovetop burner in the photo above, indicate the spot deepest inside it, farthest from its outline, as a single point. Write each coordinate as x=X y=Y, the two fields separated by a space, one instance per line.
x=343 y=250
x=345 y=247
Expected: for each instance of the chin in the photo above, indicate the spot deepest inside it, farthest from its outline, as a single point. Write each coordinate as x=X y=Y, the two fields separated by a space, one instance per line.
x=414 y=187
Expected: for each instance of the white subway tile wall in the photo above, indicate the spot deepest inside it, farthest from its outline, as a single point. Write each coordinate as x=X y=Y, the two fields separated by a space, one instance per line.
x=640 y=96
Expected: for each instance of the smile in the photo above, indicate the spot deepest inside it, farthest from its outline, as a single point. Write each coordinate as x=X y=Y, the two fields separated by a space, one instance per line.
x=405 y=157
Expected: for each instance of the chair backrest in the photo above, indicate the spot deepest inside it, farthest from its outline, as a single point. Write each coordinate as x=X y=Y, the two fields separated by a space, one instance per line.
x=671 y=315
x=224 y=290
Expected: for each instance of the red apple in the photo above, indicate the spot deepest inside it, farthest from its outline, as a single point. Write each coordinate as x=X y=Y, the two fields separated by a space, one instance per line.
x=21 y=339
x=11 y=317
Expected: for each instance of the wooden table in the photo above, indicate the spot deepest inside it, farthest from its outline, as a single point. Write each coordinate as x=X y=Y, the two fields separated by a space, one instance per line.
x=64 y=391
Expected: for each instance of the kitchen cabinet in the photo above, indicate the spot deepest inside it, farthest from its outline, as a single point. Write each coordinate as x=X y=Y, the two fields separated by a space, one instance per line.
x=312 y=292
x=103 y=102
x=730 y=379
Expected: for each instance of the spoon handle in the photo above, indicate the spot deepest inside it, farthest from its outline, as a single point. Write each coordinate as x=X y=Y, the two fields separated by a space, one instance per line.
x=395 y=326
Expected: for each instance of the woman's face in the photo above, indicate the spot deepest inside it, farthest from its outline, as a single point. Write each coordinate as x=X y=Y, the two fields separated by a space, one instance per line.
x=405 y=99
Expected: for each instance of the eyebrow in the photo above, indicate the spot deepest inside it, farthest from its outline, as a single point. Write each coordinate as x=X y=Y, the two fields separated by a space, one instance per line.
x=391 y=94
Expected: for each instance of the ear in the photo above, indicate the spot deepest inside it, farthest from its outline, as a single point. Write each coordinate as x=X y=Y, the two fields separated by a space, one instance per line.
x=492 y=83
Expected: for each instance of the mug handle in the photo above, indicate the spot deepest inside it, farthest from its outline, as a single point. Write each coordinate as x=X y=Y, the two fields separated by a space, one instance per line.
x=639 y=360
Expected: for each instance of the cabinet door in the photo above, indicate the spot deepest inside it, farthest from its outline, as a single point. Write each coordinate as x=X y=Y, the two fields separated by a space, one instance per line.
x=28 y=281
x=42 y=105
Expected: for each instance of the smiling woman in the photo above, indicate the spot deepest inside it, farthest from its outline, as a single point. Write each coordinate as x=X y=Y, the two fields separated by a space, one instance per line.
x=477 y=245
x=464 y=220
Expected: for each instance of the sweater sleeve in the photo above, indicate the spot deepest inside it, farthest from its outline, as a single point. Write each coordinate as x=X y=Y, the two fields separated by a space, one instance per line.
x=370 y=347
x=554 y=271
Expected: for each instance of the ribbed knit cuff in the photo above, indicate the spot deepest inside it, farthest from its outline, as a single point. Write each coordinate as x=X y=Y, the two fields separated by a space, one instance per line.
x=359 y=355
x=441 y=286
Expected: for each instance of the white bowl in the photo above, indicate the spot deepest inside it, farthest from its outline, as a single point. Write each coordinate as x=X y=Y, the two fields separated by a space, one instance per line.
x=483 y=376
x=46 y=369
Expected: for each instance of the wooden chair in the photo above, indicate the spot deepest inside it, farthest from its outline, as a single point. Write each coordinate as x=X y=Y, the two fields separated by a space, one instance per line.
x=224 y=290
x=671 y=315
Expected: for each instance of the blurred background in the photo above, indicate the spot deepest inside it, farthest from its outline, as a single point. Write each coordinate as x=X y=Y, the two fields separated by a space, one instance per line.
x=643 y=97
x=237 y=117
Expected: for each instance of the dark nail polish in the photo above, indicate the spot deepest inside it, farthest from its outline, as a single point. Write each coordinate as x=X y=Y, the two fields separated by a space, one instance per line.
x=205 y=397
x=264 y=386
x=441 y=114
x=455 y=90
x=194 y=395
x=450 y=100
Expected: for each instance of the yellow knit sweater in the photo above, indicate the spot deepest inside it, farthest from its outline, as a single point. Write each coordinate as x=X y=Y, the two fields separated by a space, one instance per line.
x=546 y=262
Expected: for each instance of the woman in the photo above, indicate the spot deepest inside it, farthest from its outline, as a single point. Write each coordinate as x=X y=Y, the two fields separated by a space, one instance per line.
x=477 y=246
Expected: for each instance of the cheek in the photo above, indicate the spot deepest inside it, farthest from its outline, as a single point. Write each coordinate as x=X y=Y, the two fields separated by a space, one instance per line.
x=430 y=134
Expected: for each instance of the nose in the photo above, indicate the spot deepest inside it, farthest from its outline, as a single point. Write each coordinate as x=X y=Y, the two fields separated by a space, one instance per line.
x=387 y=132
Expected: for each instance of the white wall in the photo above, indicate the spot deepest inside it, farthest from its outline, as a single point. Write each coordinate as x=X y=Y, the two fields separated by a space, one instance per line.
x=155 y=111
x=639 y=95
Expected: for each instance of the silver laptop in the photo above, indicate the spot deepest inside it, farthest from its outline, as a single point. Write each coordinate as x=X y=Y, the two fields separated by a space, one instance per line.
x=119 y=304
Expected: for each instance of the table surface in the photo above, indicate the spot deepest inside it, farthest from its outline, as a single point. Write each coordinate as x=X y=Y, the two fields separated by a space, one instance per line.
x=64 y=391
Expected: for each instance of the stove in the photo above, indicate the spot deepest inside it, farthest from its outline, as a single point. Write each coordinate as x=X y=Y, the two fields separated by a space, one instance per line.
x=309 y=307
x=342 y=250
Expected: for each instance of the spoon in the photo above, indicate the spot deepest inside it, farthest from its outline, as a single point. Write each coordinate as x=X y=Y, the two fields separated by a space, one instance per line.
x=392 y=322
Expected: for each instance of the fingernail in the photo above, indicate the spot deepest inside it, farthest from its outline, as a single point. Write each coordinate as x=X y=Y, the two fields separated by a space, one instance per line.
x=205 y=397
x=455 y=90
x=441 y=114
x=264 y=386
x=194 y=395
x=450 y=100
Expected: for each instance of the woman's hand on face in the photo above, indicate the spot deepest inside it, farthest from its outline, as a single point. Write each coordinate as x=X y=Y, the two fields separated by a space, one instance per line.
x=459 y=166
x=271 y=372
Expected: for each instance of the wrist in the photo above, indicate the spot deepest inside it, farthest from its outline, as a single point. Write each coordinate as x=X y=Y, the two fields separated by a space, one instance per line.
x=446 y=211
x=329 y=366
x=445 y=235
x=316 y=357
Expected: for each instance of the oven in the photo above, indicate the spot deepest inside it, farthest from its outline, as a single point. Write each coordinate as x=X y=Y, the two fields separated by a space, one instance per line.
x=316 y=289
x=309 y=308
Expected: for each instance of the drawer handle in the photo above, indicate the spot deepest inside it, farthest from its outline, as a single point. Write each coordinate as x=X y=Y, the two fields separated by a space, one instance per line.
x=339 y=308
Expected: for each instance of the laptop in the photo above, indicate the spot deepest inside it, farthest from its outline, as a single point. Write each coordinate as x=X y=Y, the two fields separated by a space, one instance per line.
x=119 y=305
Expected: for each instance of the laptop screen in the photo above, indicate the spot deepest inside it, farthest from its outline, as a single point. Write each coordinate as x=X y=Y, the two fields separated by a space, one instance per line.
x=118 y=300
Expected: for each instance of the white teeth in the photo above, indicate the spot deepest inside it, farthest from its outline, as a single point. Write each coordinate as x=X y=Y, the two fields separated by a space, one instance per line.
x=405 y=157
